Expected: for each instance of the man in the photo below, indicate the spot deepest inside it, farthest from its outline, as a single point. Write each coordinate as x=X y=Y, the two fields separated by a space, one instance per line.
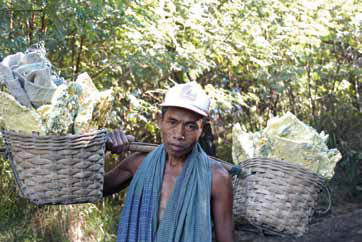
x=176 y=191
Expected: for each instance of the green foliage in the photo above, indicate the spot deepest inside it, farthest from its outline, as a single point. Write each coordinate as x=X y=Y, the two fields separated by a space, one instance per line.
x=256 y=59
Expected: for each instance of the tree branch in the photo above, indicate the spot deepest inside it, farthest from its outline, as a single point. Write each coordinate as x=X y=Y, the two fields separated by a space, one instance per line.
x=79 y=54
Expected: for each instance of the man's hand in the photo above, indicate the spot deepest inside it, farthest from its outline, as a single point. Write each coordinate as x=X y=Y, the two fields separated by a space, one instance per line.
x=118 y=142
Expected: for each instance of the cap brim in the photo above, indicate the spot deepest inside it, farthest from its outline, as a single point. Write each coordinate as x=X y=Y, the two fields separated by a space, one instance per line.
x=185 y=106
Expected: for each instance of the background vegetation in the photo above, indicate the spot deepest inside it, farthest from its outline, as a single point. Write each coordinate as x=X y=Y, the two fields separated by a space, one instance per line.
x=256 y=58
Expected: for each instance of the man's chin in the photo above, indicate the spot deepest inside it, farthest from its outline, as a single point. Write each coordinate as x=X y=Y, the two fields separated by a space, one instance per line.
x=178 y=152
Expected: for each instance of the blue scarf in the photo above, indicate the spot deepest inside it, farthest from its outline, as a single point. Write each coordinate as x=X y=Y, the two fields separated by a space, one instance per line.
x=187 y=215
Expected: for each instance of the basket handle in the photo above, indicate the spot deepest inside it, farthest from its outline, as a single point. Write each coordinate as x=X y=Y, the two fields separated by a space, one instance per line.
x=326 y=210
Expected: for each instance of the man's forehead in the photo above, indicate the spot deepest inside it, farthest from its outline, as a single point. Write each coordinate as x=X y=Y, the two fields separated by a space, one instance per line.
x=182 y=113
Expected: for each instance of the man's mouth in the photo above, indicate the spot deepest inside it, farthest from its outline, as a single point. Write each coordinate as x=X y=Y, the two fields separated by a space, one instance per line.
x=176 y=147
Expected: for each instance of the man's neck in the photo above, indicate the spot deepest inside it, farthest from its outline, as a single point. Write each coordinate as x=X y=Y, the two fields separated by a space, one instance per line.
x=175 y=161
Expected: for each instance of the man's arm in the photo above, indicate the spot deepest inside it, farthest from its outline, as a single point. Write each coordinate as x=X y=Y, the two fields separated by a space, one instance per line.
x=120 y=176
x=222 y=204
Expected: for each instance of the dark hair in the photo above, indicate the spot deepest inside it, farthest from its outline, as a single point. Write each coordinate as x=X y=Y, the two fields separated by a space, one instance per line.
x=163 y=111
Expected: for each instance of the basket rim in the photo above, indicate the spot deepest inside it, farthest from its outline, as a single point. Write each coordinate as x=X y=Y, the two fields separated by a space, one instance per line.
x=36 y=134
x=278 y=164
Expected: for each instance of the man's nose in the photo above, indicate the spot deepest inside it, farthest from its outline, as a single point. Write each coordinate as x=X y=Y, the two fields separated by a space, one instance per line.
x=179 y=132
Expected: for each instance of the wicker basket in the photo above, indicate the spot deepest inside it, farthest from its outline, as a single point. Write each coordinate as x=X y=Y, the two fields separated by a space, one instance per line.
x=58 y=169
x=275 y=196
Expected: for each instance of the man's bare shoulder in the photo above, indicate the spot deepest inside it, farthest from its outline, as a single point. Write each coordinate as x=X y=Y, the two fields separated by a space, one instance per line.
x=220 y=176
x=218 y=169
x=132 y=162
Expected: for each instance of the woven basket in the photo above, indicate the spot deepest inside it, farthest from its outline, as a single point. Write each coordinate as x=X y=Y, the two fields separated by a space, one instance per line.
x=275 y=196
x=58 y=169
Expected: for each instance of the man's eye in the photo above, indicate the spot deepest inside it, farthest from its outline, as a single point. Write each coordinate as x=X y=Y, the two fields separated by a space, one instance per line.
x=172 y=122
x=191 y=127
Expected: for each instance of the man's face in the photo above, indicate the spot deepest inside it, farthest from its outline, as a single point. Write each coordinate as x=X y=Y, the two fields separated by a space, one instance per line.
x=181 y=129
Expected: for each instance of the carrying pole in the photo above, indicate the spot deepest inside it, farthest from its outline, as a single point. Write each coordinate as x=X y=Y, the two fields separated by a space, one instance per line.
x=148 y=147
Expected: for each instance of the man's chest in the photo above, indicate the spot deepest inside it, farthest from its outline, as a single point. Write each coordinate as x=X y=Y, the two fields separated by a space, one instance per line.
x=168 y=184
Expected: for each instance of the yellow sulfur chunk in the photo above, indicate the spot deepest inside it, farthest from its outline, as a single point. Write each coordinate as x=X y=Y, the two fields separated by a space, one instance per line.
x=17 y=117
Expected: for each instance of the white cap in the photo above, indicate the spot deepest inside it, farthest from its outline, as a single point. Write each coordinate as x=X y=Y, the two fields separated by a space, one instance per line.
x=189 y=96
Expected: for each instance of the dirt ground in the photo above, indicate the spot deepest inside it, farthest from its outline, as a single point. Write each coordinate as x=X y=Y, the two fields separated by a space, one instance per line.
x=342 y=224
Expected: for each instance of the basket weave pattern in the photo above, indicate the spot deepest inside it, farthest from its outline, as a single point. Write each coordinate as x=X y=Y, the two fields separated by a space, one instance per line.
x=58 y=169
x=276 y=196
